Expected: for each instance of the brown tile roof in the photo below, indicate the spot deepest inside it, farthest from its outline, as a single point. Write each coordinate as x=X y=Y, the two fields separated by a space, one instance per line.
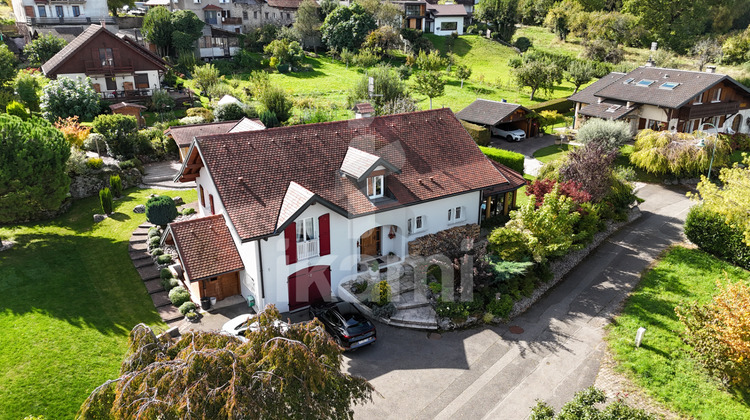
x=285 y=4
x=247 y=124
x=486 y=112
x=364 y=108
x=252 y=171
x=183 y=135
x=588 y=95
x=212 y=7
x=439 y=10
x=515 y=180
x=205 y=247
x=690 y=85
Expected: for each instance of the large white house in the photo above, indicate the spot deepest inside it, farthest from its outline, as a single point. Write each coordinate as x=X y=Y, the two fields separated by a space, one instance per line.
x=289 y=213
x=64 y=18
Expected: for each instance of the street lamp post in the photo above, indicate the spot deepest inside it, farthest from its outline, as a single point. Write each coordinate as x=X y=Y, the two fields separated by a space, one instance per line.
x=702 y=143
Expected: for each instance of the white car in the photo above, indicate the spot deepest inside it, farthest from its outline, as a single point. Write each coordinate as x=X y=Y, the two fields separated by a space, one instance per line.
x=239 y=324
x=510 y=135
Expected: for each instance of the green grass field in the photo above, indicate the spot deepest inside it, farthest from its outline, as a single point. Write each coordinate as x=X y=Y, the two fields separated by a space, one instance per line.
x=662 y=365
x=71 y=296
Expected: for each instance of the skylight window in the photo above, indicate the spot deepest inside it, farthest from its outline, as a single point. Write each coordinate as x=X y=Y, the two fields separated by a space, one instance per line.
x=613 y=108
x=669 y=85
x=628 y=81
x=645 y=83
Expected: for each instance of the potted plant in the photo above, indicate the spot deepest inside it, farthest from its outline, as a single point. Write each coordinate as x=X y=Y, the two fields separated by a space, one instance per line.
x=374 y=269
x=192 y=316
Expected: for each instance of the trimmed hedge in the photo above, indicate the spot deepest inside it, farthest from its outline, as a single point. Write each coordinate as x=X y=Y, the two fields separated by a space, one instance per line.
x=481 y=135
x=712 y=234
x=178 y=296
x=561 y=105
x=187 y=307
x=161 y=210
x=510 y=159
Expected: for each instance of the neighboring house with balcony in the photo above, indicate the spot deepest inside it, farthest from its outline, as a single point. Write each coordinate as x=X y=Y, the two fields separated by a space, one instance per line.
x=667 y=99
x=66 y=18
x=440 y=19
x=308 y=207
x=119 y=67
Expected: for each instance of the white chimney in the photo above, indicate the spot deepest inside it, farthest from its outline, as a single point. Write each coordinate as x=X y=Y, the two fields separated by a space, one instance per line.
x=710 y=69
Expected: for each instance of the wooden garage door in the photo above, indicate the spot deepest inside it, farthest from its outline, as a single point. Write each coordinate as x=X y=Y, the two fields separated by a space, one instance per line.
x=222 y=287
x=309 y=285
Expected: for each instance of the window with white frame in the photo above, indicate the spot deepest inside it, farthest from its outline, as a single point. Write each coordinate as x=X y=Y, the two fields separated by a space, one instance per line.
x=716 y=97
x=307 y=239
x=455 y=214
x=699 y=99
x=375 y=186
x=416 y=225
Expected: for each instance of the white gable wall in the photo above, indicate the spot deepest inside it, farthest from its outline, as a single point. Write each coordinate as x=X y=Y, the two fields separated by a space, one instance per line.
x=459 y=20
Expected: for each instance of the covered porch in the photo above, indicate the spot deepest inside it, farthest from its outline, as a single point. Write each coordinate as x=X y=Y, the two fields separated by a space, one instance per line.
x=383 y=245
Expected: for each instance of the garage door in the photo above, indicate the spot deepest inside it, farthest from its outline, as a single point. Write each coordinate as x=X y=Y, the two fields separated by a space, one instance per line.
x=308 y=286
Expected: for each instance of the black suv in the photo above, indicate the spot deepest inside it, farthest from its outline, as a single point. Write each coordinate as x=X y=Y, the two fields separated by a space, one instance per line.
x=345 y=323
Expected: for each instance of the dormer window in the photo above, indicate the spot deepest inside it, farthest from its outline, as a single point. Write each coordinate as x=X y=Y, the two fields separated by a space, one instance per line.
x=375 y=186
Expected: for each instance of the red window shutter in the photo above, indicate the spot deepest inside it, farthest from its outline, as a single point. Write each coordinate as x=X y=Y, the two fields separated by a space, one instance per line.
x=290 y=243
x=324 y=227
x=211 y=201
x=203 y=197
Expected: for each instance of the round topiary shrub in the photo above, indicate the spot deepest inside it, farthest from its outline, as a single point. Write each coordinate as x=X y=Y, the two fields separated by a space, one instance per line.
x=157 y=251
x=165 y=273
x=154 y=231
x=169 y=284
x=164 y=259
x=187 y=307
x=154 y=241
x=161 y=210
x=178 y=296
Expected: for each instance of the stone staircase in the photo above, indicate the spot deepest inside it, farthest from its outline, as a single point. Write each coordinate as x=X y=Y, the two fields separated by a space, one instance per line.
x=143 y=263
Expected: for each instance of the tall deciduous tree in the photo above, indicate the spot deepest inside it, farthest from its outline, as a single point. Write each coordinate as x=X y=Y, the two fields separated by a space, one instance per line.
x=501 y=15
x=292 y=373
x=32 y=168
x=27 y=86
x=7 y=65
x=676 y=24
x=430 y=83
x=538 y=74
x=43 y=48
x=205 y=76
x=706 y=51
x=307 y=23
x=187 y=28
x=157 y=29
x=579 y=73
x=387 y=87
x=347 y=27
x=463 y=72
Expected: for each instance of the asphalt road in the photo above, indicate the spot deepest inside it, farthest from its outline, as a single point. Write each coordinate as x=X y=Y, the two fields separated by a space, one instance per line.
x=490 y=373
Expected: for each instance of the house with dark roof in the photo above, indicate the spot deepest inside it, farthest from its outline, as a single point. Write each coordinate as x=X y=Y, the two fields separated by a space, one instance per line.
x=308 y=207
x=667 y=99
x=499 y=115
x=440 y=19
x=119 y=67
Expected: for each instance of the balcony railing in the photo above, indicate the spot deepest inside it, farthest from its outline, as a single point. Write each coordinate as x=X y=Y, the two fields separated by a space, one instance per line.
x=231 y=21
x=97 y=68
x=36 y=21
x=308 y=249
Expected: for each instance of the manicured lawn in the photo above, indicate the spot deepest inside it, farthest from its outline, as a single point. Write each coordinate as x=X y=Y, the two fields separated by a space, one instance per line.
x=662 y=365
x=70 y=298
x=553 y=152
x=152 y=118
x=521 y=197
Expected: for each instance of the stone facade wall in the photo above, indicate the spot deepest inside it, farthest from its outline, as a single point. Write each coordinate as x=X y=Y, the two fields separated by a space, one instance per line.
x=89 y=185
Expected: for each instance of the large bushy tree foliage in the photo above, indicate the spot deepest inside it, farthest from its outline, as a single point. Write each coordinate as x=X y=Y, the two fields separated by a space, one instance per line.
x=579 y=73
x=63 y=98
x=591 y=167
x=186 y=29
x=284 y=54
x=292 y=373
x=387 y=87
x=732 y=199
x=677 y=154
x=501 y=15
x=307 y=23
x=430 y=83
x=675 y=24
x=7 y=65
x=347 y=27
x=276 y=100
x=120 y=134
x=538 y=74
x=161 y=210
x=32 y=168
x=157 y=29
x=609 y=133
x=718 y=332
x=114 y=5
x=43 y=48
x=205 y=76
x=27 y=86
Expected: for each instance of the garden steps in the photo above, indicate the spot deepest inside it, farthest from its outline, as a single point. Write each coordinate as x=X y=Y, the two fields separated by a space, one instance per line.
x=410 y=300
x=149 y=272
x=153 y=286
x=422 y=317
x=169 y=314
x=138 y=239
x=146 y=225
x=141 y=261
x=161 y=299
x=170 y=185
x=138 y=246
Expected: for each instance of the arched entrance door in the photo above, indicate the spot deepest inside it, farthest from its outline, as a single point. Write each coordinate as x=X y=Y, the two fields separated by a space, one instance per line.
x=369 y=243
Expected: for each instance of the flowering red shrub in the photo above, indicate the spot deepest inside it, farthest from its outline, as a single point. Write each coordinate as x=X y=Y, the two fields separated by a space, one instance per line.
x=540 y=187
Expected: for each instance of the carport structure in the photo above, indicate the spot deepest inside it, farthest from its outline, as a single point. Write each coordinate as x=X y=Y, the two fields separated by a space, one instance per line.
x=503 y=115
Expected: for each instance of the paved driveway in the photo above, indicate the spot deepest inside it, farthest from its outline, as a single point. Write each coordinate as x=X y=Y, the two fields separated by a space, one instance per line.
x=493 y=374
x=527 y=148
